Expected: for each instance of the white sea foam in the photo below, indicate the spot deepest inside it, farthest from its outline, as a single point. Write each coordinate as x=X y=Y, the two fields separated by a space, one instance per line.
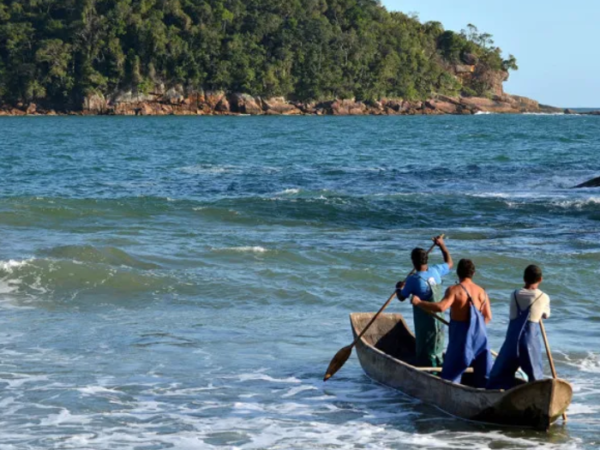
x=97 y=390
x=252 y=425
x=259 y=376
x=10 y=265
x=212 y=169
x=297 y=390
x=64 y=416
x=20 y=379
x=547 y=114
x=8 y=287
x=491 y=195
x=289 y=192
x=580 y=409
x=590 y=364
x=191 y=391
x=7 y=401
x=249 y=249
x=577 y=203
x=355 y=170
x=399 y=194
x=208 y=169
x=10 y=281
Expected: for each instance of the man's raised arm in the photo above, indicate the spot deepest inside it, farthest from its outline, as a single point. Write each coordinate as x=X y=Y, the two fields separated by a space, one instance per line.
x=439 y=241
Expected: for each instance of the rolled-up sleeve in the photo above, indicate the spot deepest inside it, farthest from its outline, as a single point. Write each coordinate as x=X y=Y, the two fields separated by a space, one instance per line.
x=408 y=288
x=442 y=269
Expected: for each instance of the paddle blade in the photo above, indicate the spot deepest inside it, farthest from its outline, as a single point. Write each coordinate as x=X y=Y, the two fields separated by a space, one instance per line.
x=338 y=361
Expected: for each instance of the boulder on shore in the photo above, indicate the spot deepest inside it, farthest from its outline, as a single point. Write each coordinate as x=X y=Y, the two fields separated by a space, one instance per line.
x=348 y=107
x=279 y=106
x=94 y=103
x=442 y=106
x=245 y=104
x=213 y=98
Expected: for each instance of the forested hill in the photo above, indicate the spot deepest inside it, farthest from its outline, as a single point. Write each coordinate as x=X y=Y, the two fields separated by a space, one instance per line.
x=59 y=51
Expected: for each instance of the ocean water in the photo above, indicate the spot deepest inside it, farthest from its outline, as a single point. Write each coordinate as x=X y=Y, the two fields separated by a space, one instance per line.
x=184 y=282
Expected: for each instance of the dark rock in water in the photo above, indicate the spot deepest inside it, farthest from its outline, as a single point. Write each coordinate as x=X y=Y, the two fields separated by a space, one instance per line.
x=595 y=182
x=592 y=113
x=570 y=111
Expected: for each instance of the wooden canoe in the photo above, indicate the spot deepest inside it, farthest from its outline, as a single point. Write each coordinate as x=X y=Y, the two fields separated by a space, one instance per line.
x=387 y=348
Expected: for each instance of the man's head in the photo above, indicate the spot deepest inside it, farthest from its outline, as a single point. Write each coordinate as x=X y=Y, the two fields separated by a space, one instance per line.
x=419 y=258
x=532 y=275
x=465 y=269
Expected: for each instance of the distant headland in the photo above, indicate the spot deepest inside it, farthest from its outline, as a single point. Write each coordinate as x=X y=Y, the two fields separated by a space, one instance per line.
x=217 y=57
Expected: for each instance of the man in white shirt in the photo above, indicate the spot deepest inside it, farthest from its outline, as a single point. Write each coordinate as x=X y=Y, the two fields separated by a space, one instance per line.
x=522 y=347
x=539 y=302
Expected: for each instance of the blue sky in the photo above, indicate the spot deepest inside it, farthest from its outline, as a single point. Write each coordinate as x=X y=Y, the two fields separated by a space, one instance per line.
x=556 y=42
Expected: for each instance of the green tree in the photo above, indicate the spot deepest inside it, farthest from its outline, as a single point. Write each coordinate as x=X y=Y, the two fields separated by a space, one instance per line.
x=58 y=51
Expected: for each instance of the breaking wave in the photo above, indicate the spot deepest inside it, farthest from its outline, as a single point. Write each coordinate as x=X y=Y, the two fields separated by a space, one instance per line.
x=104 y=255
x=48 y=278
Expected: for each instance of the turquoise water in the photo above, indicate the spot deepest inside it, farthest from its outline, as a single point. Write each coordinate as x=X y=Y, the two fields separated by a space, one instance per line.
x=184 y=282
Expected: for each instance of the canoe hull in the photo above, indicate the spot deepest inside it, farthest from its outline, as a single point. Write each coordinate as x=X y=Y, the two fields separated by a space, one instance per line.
x=532 y=405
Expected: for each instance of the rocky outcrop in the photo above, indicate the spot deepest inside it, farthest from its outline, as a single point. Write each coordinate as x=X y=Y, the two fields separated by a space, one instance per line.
x=10 y=111
x=447 y=105
x=245 y=104
x=348 y=108
x=95 y=103
x=176 y=100
x=223 y=106
x=470 y=73
x=401 y=107
x=494 y=105
x=211 y=99
x=279 y=106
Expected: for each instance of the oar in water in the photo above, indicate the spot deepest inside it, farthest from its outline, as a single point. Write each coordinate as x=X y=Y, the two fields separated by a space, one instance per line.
x=550 y=360
x=342 y=356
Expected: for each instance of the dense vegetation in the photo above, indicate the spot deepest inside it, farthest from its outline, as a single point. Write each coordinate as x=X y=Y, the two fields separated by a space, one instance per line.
x=57 y=51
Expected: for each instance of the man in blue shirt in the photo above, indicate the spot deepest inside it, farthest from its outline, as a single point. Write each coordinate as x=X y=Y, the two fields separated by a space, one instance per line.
x=426 y=283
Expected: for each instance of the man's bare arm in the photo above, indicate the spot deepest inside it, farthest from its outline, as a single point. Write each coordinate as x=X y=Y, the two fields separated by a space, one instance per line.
x=487 y=308
x=441 y=306
x=439 y=241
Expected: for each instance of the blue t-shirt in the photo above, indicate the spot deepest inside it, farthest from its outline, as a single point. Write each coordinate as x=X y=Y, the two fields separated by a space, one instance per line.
x=417 y=285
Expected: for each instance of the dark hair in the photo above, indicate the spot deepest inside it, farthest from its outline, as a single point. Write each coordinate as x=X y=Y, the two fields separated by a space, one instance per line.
x=465 y=269
x=532 y=275
x=419 y=257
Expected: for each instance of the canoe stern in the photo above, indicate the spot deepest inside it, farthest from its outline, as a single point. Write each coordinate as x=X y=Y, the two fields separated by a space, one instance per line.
x=536 y=405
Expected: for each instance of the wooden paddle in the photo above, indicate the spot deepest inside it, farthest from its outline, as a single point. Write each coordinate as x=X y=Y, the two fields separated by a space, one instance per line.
x=550 y=360
x=342 y=356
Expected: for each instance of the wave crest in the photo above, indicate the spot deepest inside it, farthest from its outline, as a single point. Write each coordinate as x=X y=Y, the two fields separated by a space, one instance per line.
x=65 y=279
x=104 y=255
